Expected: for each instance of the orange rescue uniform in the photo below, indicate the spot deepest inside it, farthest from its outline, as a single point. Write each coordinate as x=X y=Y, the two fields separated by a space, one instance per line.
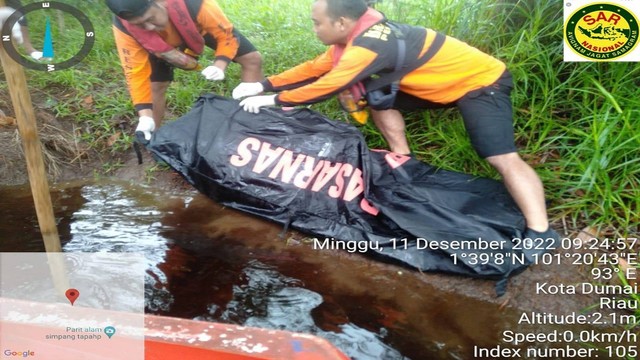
x=454 y=70
x=210 y=20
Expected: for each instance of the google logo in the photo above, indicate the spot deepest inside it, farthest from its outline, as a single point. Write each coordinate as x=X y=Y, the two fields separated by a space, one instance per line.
x=23 y=354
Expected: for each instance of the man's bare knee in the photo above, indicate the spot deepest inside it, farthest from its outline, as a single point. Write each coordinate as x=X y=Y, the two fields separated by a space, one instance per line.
x=387 y=117
x=250 y=59
x=503 y=162
x=159 y=88
x=251 y=66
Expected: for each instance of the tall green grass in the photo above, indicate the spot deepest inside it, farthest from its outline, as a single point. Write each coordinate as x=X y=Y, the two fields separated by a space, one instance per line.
x=576 y=123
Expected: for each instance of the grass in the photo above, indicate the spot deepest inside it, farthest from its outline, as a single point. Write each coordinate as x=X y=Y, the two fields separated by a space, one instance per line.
x=576 y=123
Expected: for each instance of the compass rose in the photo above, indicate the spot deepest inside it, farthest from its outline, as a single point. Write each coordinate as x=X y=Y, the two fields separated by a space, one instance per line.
x=50 y=61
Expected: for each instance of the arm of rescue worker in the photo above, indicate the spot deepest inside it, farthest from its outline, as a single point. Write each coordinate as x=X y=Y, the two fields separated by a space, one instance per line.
x=137 y=71
x=214 y=22
x=300 y=75
x=356 y=64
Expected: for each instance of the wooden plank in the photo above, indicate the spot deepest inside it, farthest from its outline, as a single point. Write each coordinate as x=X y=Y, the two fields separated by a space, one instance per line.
x=26 y=120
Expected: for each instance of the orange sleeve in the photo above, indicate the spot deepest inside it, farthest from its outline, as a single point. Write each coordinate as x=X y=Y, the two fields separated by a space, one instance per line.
x=301 y=74
x=352 y=67
x=213 y=21
x=137 y=69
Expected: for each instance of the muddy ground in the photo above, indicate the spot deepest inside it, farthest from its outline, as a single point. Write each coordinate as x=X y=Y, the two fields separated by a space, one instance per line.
x=68 y=159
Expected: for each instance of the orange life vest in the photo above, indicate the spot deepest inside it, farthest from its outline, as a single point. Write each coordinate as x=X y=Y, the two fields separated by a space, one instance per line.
x=156 y=45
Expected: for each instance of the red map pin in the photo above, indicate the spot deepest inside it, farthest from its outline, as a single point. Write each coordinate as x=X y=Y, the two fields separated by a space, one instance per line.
x=72 y=295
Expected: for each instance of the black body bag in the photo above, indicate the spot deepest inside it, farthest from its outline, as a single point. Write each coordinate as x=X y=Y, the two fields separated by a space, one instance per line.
x=303 y=170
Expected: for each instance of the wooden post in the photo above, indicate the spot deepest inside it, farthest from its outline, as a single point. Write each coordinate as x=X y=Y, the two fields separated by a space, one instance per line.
x=26 y=120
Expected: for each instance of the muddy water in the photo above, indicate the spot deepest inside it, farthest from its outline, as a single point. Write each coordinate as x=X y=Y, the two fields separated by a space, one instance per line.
x=209 y=263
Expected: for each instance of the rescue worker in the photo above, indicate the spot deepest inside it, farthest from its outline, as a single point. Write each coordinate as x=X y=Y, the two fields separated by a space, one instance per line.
x=363 y=43
x=155 y=36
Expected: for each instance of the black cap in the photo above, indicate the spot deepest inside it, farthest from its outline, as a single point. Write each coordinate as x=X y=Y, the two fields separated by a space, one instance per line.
x=129 y=9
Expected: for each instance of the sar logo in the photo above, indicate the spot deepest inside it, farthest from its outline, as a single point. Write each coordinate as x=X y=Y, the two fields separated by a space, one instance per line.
x=601 y=31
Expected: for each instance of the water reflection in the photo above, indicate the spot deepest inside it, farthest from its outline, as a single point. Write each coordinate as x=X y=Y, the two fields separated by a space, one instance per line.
x=19 y=225
x=209 y=263
x=292 y=308
x=203 y=261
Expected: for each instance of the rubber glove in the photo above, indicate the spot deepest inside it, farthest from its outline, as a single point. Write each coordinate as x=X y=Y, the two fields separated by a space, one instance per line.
x=36 y=55
x=213 y=73
x=146 y=126
x=247 y=89
x=254 y=103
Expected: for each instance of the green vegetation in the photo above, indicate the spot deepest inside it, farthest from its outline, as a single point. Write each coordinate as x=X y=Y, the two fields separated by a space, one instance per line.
x=576 y=123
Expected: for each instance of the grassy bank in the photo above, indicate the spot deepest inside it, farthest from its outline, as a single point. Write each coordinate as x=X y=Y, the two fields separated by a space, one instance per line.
x=576 y=123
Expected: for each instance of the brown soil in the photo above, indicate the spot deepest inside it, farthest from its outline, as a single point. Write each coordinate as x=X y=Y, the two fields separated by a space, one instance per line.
x=66 y=159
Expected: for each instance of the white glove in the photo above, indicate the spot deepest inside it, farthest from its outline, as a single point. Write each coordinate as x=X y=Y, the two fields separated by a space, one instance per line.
x=36 y=55
x=16 y=33
x=213 y=73
x=245 y=89
x=254 y=103
x=146 y=125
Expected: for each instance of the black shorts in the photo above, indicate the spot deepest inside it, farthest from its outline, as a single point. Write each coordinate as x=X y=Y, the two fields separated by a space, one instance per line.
x=162 y=71
x=487 y=115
